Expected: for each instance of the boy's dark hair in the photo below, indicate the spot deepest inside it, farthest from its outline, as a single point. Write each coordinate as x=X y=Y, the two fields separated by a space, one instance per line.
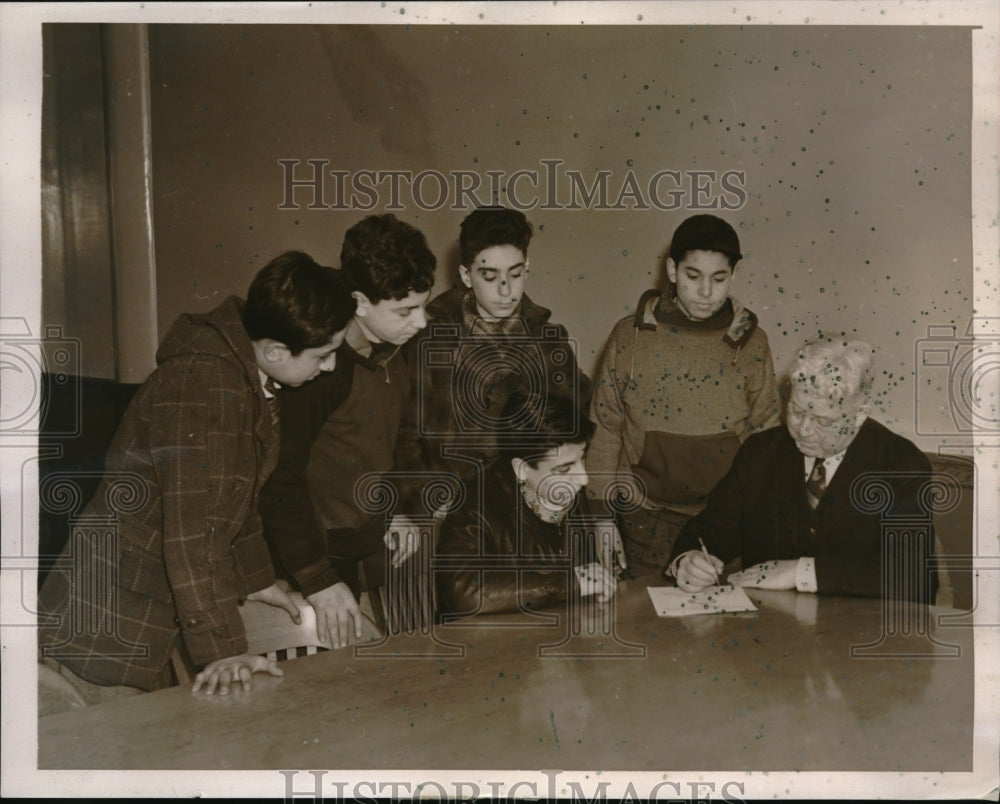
x=705 y=233
x=385 y=258
x=297 y=302
x=535 y=423
x=493 y=226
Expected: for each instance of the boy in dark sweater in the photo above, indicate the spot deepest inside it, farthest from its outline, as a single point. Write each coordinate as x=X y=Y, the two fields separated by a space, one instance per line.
x=682 y=384
x=178 y=501
x=484 y=341
x=344 y=427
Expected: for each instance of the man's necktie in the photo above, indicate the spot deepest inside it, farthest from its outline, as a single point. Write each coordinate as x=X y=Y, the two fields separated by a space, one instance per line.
x=816 y=484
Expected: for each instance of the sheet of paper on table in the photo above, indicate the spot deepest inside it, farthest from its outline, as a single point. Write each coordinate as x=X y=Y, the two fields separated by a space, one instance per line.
x=670 y=601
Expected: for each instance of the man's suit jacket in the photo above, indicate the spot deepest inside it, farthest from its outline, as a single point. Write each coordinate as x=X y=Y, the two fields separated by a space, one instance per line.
x=759 y=511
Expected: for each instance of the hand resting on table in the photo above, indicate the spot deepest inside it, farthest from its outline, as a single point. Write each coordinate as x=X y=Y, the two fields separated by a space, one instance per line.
x=595 y=579
x=233 y=669
x=221 y=673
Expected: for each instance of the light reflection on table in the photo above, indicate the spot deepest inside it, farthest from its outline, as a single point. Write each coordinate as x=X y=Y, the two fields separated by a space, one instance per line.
x=776 y=689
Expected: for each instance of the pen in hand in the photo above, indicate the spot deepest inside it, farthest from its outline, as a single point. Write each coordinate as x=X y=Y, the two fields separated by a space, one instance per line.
x=704 y=552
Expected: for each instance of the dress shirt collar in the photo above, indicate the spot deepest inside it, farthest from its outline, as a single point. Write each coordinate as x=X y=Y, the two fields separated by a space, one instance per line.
x=356 y=339
x=831 y=462
x=266 y=381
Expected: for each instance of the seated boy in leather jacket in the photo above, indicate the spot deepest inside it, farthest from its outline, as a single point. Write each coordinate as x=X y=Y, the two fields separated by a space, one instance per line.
x=518 y=549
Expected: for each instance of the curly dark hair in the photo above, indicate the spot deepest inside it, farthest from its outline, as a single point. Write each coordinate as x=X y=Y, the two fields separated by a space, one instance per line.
x=297 y=302
x=493 y=226
x=386 y=258
x=537 y=422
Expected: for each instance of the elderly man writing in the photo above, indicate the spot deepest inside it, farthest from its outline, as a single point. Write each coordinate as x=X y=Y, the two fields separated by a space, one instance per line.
x=785 y=505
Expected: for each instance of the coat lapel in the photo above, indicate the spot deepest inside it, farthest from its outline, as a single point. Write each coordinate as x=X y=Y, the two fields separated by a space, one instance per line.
x=791 y=512
x=836 y=501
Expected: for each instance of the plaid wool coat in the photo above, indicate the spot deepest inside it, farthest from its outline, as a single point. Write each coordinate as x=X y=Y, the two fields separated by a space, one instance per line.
x=171 y=542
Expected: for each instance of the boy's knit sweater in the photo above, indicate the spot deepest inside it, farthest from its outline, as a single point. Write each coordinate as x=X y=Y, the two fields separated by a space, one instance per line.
x=674 y=398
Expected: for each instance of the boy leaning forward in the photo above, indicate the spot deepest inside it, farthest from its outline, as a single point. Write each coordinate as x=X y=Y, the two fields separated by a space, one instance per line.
x=171 y=544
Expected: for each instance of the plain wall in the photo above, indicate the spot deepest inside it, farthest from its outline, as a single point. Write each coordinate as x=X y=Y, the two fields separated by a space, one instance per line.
x=77 y=274
x=853 y=143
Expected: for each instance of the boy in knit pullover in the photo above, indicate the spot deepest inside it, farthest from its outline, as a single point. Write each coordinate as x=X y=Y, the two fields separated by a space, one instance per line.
x=682 y=383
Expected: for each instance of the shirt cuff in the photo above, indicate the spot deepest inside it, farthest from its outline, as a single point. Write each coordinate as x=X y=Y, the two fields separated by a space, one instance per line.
x=805 y=575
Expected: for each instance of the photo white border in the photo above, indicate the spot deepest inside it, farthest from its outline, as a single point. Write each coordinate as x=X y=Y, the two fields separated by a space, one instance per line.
x=20 y=296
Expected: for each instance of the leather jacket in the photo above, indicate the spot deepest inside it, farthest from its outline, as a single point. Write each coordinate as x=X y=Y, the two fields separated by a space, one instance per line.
x=500 y=557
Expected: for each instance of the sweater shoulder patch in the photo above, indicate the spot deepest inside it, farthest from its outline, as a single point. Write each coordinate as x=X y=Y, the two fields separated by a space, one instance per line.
x=742 y=329
x=644 y=317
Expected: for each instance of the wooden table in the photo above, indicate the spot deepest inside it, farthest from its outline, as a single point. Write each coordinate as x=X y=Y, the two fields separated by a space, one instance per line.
x=776 y=689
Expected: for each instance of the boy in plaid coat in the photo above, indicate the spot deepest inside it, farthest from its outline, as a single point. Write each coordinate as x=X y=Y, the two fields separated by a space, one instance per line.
x=172 y=543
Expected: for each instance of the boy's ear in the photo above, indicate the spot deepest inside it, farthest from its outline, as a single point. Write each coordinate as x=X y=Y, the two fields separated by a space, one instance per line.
x=271 y=352
x=672 y=270
x=463 y=272
x=363 y=303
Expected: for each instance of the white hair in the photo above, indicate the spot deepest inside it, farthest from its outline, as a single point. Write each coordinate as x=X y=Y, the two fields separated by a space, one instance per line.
x=834 y=367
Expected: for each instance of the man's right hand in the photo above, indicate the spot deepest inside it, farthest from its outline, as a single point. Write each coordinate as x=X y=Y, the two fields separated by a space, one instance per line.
x=336 y=610
x=695 y=571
